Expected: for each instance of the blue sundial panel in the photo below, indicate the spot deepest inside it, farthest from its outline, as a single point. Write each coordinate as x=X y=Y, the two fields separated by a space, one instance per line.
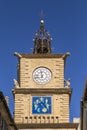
x=41 y=105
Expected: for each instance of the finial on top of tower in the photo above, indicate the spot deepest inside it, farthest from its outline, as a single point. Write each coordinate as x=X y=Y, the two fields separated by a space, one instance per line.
x=42 y=41
x=42 y=22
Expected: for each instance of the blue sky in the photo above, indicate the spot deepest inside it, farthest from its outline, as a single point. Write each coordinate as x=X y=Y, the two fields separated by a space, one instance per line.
x=66 y=20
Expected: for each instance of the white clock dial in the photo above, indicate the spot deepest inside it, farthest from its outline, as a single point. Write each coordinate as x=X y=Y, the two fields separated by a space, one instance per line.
x=42 y=75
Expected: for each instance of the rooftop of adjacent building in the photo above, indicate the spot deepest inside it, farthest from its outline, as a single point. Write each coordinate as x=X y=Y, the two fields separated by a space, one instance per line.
x=5 y=113
x=84 y=97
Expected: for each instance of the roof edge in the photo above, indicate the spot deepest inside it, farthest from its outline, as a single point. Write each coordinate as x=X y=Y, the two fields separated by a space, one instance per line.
x=42 y=55
x=84 y=97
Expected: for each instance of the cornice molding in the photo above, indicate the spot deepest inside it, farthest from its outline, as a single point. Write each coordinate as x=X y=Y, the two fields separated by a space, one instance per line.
x=42 y=90
x=48 y=125
x=42 y=55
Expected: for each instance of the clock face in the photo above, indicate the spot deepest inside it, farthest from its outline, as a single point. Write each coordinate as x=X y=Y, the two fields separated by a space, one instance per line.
x=41 y=105
x=42 y=75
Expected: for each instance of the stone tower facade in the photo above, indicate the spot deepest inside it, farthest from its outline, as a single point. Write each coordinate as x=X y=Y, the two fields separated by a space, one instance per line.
x=41 y=98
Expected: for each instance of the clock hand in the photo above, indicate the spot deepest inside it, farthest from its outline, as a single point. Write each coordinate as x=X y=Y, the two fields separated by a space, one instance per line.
x=37 y=76
x=41 y=74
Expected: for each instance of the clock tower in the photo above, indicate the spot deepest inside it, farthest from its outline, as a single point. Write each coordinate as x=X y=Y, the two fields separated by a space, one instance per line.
x=41 y=98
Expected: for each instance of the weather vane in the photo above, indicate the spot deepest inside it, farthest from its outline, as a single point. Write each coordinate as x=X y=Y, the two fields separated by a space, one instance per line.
x=42 y=15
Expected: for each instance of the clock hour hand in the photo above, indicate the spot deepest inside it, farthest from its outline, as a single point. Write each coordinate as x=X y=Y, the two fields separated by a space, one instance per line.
x=41 y=74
